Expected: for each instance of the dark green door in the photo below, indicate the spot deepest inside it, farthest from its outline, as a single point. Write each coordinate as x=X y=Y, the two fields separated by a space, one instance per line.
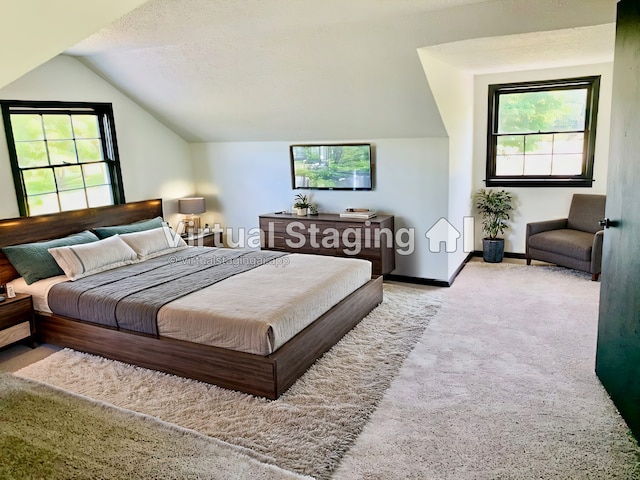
x=618 y=351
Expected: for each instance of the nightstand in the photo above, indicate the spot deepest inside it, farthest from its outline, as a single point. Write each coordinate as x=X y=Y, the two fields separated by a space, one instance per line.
x=16 y=320
x=209 y=239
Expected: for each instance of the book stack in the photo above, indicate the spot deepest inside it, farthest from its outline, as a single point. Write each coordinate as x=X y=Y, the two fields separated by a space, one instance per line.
x=358 y=213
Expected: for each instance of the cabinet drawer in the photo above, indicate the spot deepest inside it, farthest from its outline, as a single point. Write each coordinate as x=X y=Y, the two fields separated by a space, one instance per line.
x=15 y=333
x=298 y=245
x=274 y=242
x=270 y=225
x=15 y=312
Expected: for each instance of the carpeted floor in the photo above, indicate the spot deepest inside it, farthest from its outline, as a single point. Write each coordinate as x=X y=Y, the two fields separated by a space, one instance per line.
x=53 y=435
x=500 y=386
x=308 y=429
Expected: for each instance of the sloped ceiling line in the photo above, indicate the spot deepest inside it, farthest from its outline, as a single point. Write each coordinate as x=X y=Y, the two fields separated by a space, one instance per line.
x=276 y=70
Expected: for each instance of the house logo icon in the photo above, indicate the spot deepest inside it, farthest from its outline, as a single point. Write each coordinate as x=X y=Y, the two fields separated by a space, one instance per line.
x=443 y=232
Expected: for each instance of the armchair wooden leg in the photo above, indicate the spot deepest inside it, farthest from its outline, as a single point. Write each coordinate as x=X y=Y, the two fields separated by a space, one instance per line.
x=594 y=277
x=528 y=261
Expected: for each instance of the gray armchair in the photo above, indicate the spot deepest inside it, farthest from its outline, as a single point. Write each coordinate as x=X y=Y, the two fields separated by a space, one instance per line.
x=573 y=242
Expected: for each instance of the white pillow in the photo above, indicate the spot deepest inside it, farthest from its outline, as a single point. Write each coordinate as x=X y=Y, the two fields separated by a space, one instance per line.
x=153 y=243
x=79 y=261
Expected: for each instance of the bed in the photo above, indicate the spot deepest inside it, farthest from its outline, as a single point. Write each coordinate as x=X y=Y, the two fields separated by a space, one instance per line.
x=268 y=372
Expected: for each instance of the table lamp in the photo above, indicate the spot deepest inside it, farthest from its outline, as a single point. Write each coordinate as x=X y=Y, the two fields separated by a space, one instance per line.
x=191 y=207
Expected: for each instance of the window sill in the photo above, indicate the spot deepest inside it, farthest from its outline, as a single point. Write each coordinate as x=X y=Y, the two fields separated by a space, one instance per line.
x=539 y=182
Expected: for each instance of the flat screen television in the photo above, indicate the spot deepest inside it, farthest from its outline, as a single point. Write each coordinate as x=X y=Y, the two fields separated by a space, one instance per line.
x=332 y=167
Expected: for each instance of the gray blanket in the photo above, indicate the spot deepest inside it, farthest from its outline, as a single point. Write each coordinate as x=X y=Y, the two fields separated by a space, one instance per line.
x=129 y=297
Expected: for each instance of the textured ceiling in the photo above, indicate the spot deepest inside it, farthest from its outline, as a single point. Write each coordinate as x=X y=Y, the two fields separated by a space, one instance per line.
x=527 y=51
x=34 y=31
x=261 y=70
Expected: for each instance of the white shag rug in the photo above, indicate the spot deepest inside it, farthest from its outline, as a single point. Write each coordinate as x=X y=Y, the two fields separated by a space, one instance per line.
x=308 y=429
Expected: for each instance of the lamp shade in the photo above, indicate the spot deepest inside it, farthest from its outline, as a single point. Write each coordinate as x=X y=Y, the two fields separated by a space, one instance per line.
x=191 y=206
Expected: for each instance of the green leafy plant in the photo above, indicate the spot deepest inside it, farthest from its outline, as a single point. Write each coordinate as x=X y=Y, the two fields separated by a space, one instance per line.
x=302 y=201
x=494 y=206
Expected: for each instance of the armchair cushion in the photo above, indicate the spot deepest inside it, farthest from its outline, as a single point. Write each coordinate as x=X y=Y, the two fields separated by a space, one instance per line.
x=585 y=212
x=537 y=227
x=565 y=242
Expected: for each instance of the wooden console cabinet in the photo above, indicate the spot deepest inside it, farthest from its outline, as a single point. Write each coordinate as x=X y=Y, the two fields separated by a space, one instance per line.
x=329 y=234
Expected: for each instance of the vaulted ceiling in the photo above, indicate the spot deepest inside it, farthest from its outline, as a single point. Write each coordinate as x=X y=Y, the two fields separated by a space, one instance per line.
x=262 y=70
x=34 y=31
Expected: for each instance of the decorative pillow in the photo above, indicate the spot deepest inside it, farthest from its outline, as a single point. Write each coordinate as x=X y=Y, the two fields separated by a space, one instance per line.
x=79 y=261
x=33 y=260
x=153 y=243
x=104 y=232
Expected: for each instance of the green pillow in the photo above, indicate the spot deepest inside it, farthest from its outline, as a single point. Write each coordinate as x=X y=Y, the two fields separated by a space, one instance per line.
x=33 y=260
x=104 y=232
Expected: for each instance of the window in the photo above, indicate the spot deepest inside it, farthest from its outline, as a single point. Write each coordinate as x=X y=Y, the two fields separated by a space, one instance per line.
x=542 y=133
x=64 y=156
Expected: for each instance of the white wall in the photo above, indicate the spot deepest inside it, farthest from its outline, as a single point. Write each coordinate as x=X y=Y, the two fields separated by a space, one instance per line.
x=453 y=91
x=535 y=204
x=155 y=162
x=242 y=180
x=35 y=31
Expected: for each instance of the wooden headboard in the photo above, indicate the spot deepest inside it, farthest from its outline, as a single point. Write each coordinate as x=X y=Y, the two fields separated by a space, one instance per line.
x=14 y=231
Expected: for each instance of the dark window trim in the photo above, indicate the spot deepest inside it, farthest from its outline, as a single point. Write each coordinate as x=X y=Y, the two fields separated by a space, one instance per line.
x=106 y=122
x=591 y=117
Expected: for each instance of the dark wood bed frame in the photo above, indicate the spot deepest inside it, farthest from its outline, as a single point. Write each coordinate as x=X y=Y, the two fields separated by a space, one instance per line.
x=267 y=376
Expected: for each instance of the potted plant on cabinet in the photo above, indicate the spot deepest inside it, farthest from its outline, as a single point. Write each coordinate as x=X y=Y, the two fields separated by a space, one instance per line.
x=301 y=205
x=494 y=207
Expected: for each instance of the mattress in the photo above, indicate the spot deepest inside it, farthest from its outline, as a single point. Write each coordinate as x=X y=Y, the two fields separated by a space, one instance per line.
x=255 y=311
x=39 y=290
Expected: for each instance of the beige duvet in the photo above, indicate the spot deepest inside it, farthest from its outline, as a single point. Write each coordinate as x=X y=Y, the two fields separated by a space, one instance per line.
x=255 y=311
x=259 y=310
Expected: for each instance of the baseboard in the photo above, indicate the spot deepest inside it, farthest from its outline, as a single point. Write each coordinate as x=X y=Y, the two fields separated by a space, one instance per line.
x=521 y=256
x=431 y=281
x=455 y=274
x=417 y=280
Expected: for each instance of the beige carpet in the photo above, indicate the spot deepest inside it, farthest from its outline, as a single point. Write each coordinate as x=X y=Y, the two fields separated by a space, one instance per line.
x=308 y=429
x=500 y=386
x=49 y=434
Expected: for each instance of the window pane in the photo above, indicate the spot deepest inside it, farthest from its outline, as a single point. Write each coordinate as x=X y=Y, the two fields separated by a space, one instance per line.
x=537 y=165
x=567 y=165
x=86 y=126
x=58 y=151
x=57 y=127
x=26 y=127
x=89 y=150
x=31 y=154
x=539 y=144
x=41 y=204
x=69 y=178
x=95 y=174
x=511 y=145
x=62 y=152
x=547 y=111
x=73 y=200
x=39 y=181
x=568 y=143
x=509 y=165
x=100 y=196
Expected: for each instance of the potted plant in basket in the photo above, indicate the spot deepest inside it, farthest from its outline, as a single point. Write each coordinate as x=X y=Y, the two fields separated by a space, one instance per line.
x=301 y=205
x=494 y=207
